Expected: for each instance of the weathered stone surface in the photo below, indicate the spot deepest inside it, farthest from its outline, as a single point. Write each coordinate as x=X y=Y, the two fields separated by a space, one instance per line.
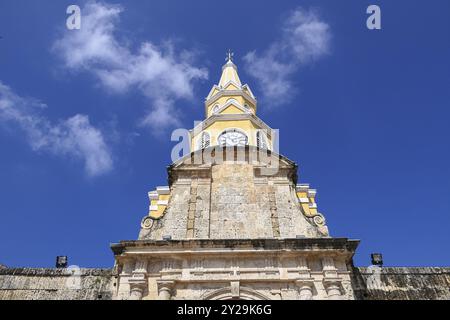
x=401 y=283
x=239 y=233
x=425 y=283
x=56 y=284
x=315 y=268
x=232 y=200
x=234 y=235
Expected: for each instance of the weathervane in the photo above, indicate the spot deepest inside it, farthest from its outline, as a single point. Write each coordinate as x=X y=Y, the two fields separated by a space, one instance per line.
x=230 y=55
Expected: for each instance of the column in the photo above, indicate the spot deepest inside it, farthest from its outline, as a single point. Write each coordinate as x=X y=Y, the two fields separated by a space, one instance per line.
x=306 y=287
x=165 y=289
x=331 y=279
x=137 y=291
x=333 y=288
x=138 y=280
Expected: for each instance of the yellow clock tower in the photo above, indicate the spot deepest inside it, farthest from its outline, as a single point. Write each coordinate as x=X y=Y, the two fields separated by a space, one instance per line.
x=234 y=222
x=231 y=120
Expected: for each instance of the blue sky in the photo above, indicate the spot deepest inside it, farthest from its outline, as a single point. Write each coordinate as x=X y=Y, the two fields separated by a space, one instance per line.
x=367 y=121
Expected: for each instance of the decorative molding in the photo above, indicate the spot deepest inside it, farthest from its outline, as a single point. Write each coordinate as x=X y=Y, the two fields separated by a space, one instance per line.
x=303 y=187
x=312 y=193
x=226 y=84
x=224 y=93
x=233 y=102
x=153 y=195
x=247 y=87
x=227 y=294
x=309 y=207
x=231 y=117
x=163 y=190
x=147 y=223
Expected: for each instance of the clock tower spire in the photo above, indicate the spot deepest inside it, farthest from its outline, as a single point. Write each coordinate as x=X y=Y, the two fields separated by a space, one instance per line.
x=230 y=109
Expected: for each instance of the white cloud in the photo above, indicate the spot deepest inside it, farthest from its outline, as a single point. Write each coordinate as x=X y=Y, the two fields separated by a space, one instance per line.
x=305 y=38
x=157 y=72
x=74 y=137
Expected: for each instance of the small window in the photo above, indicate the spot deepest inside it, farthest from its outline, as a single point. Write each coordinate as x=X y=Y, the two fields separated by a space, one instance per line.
x=261 y=140
x=205 y=140
x=215 y=109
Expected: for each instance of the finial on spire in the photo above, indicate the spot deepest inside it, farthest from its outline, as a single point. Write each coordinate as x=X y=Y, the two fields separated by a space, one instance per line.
x=230 y=55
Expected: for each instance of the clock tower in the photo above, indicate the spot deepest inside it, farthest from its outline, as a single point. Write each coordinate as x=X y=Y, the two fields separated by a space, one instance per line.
x=234 y=222
x=230 y=115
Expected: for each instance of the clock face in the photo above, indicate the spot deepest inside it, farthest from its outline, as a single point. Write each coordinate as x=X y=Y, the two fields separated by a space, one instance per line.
x=233 y=138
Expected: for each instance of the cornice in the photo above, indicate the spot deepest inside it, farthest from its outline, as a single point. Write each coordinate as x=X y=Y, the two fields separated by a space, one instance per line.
x=222 y=93
x=231 y=117
x=221 y=246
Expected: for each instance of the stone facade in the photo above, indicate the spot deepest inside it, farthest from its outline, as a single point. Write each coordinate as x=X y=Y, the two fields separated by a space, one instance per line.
x=399 y=283
x=233 y=226
x=232 y=200
x=235 y=269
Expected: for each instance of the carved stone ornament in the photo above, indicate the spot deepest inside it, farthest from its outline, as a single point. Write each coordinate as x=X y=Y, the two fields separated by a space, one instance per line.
x=319 y=220
x=147 y=223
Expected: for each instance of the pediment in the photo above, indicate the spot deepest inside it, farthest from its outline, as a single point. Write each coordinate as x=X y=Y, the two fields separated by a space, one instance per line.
x=231 y=117
x=232 y=103
x=231 y=85
x=217 y=93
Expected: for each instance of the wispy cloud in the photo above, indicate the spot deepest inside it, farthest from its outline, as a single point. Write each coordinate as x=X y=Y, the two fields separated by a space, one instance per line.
x=304 y=39
x=160 y=73
x=74 y=137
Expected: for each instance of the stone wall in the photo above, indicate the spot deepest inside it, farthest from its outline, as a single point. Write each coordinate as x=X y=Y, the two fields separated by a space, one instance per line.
x=401 y=283
x=56 y=284
x=98 y=284
x=233 y=200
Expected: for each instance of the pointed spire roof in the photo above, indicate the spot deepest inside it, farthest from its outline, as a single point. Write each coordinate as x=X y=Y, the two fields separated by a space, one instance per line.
x=229 y=84
x=229 y=72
